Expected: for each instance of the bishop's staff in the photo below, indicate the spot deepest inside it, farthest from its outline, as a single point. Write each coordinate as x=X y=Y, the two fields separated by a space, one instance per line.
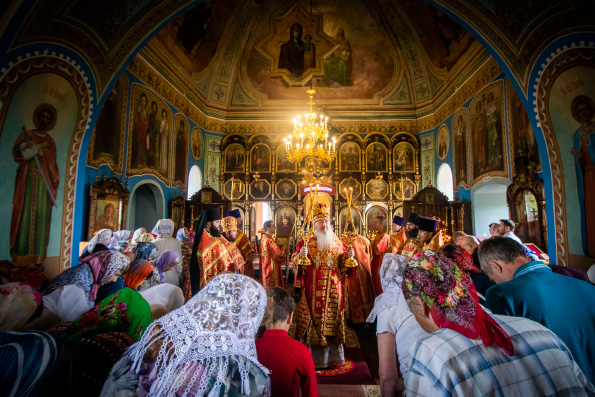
x=309 y=232
x=349 y=237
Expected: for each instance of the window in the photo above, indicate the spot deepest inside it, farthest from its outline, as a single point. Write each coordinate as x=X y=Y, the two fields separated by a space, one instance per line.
x=194 y=181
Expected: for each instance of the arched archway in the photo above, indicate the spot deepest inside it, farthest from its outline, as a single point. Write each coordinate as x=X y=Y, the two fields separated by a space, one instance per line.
x=194 y=181
x=146 y=206
x=488 y=205
x=445 y=181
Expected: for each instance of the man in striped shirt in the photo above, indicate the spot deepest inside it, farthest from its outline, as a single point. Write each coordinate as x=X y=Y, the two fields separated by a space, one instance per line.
x=472 y=353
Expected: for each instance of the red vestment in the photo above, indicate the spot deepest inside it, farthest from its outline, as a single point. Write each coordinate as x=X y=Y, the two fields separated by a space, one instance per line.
x=357 y=285
x=321 y=314
x=271 y=259
x=411 y=247
x=213 y=258
x=235 y=254
x=243 y=244
x=291 y=363
x=380 y=246
x=396 y=240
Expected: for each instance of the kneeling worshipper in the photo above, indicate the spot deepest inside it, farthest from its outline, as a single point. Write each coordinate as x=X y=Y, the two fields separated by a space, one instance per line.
x=206 y=347
x=93 y=271
x=396 y=328
x=163 y=270
x=146 y=250
x=98 y=242
x=321 y=314
x=465 y=262
x=357 y=285
x=164 y=229
x=243 y=243
x=65 y=304
x=145 y=238
x=209 y=255
x=167 y=296
x=470 y=353
x=118 y=238
x=271 y=258
x=138 y=272
x=20 y=303
x=137 y=233
x=530 y=289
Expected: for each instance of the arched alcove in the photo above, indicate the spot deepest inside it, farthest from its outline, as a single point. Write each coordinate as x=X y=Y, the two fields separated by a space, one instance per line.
x=445 y=181
x=146 y=206
x=489 y=205
x=194 y=181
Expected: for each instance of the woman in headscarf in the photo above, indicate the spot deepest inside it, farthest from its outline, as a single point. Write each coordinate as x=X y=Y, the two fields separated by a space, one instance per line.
x=206 y=347
x=145 y=238
x=117 y=238
x=93 y=271
x=125 y=311
x=470 y=352
x=396 y=328
x=139 y=270
x=19 y=304
x=99 y=242
x=186 y=255
x=465 y=262
x=164 y=229
x=137 y=233
x=67 y=302
x=146 y=251
x=164 y=271
x=166 y=295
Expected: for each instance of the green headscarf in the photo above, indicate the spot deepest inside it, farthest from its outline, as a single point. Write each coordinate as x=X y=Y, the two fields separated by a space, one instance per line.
x=125 y=311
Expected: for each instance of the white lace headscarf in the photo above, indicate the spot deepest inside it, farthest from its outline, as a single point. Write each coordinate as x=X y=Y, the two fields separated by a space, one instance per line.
x=164 y=226
x=120 y=235
x=391 y=278
x=102 y=237
x=216 y=325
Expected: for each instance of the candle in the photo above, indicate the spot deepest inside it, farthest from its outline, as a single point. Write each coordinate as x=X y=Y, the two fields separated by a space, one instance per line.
x=334 y=141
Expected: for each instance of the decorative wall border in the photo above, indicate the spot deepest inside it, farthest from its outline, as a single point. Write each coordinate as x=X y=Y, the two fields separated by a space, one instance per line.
x=67 y=68
x=559 y=60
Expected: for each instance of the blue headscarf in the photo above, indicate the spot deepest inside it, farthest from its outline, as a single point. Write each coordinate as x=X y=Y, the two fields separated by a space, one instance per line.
x=145 y=250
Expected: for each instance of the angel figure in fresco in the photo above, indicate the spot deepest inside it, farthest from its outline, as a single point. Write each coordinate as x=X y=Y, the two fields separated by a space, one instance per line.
x=583 y=150
x=36 y=188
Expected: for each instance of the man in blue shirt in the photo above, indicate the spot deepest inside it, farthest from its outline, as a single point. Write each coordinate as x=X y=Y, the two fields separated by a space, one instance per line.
x=530 y=289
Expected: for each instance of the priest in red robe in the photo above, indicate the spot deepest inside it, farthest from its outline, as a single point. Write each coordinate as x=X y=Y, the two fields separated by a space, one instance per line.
x=398 y=236
x=271 y=258
x=380 y=246
x=357 y=283
x=321 y=314
x=243 y=244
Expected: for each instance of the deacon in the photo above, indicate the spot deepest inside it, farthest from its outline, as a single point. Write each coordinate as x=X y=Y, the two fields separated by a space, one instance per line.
x=380 y=246
x=398 y=237
x=209 y=255
x=321 y=312
x=243 y=243
x=271 y=258
x=358 y=290
x=229 y=229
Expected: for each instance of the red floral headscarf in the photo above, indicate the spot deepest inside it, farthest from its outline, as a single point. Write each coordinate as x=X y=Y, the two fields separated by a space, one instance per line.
x=452 y=299
x=460 y=257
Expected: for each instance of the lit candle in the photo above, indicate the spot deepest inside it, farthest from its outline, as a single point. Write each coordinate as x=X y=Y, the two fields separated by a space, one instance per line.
x=334 y=141
x=294 y=124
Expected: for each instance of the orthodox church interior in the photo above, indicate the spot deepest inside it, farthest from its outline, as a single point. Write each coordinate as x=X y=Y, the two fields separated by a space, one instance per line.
x=465 y=111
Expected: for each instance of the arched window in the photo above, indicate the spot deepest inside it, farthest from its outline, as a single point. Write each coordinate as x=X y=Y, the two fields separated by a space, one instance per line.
x=489 y=206
x=445 y=182
x=194 y=180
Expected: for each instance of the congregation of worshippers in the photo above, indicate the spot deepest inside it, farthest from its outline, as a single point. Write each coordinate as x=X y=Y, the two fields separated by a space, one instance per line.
x=166 y=312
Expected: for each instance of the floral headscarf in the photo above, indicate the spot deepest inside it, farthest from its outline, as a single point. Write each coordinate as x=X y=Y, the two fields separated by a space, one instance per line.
x=105 y=265
x=145 y=251
x=452 y=299
x=391 y=278
x=120 y=235
x=137 y=273
x=102 y=237
x=460 y=257
x=18 y=302
x=181 y=235
x=198 y=341
x=163 y=261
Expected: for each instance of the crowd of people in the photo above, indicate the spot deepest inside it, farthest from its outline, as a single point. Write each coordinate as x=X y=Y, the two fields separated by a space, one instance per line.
x=153 y=314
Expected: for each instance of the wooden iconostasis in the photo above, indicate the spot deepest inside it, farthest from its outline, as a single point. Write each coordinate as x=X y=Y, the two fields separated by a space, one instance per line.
x=382 y=170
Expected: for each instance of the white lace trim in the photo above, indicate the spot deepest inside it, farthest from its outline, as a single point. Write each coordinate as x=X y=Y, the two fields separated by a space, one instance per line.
x=391 y=278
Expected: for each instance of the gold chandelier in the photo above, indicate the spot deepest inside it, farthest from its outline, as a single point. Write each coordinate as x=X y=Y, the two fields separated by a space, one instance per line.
x=309 y=140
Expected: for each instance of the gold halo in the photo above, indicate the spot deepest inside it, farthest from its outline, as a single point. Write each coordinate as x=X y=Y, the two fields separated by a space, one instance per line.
x=50 y=108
